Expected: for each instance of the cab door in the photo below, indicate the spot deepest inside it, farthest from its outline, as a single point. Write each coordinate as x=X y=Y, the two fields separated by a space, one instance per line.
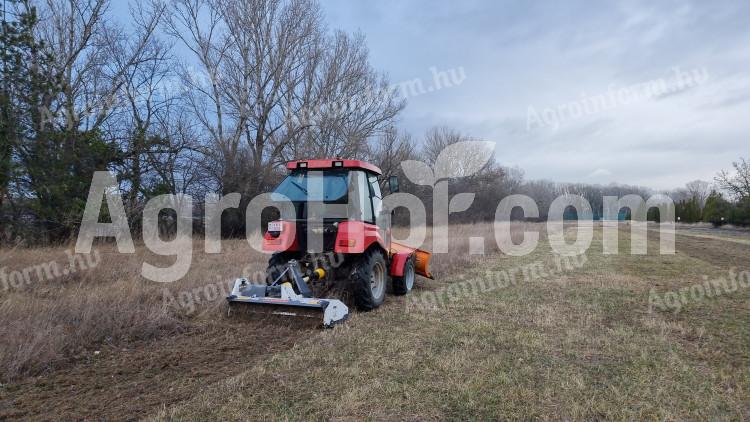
x=382 y=218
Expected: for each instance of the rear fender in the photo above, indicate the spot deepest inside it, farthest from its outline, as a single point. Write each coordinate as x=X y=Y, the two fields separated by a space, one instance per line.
x=398 y=262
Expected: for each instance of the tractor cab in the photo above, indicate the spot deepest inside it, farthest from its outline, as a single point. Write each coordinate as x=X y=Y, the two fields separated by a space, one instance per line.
x=333 y=192
x=332 y=199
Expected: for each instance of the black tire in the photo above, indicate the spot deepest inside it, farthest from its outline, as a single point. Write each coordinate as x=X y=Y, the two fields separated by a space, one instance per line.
x=276 y=266
x=403 y=284
x=366 y=272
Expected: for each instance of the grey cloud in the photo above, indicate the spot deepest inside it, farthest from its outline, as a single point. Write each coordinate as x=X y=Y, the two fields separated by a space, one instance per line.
x=520 y=53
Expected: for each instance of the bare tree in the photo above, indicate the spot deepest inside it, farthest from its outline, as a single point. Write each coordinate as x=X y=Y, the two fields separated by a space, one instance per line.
x=136 y=123
x=271 y=46
x=699 y=190
x=348 y=101
x=174 y=164
x=390 y=149
x=277 y=86
x=437 y=139
x=93 y=57
x=198 y=25
x=463 y=160
x=737 y=184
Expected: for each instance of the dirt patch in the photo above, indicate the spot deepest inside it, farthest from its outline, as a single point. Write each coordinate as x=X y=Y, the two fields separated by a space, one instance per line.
x=128 y=384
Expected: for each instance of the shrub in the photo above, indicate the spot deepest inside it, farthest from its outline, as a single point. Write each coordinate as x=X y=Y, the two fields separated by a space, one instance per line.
x=688 y=210
x=741 y=213
x=718 y=211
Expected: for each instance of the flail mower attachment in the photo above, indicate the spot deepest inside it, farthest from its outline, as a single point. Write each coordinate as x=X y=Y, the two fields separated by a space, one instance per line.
x=281 y=298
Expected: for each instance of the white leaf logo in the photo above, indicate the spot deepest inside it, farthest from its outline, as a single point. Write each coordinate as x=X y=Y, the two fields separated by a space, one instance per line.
x=463 y=159
x=460 y=202
x=418 y=172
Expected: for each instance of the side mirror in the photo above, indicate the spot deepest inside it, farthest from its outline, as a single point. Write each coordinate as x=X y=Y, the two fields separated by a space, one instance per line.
x=393 y=184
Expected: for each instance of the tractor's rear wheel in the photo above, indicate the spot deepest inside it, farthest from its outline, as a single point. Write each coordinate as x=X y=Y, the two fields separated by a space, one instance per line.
x=403 y=284
x=369 y=279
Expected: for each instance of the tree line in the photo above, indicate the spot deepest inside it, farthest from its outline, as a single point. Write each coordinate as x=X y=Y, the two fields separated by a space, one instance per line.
x=256 y=83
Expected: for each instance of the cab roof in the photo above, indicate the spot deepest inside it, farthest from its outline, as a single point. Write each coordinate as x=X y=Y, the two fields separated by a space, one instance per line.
x=333 y=163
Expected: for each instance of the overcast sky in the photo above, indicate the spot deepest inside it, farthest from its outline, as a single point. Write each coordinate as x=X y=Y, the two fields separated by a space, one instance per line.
x=534 y=71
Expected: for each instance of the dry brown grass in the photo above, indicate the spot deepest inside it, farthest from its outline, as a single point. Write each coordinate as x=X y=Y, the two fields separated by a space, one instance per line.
x=49 y=322
x=584 y=349
x=578 y=345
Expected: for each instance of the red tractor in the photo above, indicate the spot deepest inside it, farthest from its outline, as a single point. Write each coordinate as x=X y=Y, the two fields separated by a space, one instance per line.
x=333 y=237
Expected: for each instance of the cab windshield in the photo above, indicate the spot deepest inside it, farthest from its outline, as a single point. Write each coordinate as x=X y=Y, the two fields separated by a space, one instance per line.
x=328 y=186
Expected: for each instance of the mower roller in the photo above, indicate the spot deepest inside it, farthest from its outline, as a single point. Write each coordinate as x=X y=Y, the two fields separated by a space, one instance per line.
x=336 y=238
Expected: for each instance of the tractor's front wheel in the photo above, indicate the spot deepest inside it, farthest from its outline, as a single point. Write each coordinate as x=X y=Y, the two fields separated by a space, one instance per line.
x=369 y=278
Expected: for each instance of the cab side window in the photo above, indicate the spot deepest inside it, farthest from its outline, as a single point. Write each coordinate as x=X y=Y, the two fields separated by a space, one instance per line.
x=364 y=193
x=377 y=197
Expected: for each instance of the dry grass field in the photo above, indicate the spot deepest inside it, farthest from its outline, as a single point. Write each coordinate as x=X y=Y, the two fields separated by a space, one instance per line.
x=493 y=337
